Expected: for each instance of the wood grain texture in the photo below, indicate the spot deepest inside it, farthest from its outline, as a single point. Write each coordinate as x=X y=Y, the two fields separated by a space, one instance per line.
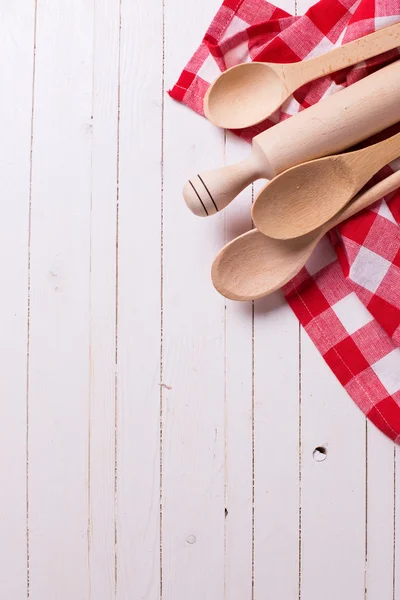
x=16 y=45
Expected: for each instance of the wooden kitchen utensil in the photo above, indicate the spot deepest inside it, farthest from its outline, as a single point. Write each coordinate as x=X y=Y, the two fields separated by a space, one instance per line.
x=254 y=265
x=247 y=94
x=304 y=197
x=328 y=127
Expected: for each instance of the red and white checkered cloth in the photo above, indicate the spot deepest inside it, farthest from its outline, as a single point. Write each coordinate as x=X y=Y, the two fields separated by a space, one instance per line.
x=348 y=296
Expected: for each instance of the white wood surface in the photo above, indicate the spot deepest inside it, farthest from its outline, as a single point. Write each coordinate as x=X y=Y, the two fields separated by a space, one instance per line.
x=139 y=322
x=103 y=130
x=16 y=44
x=239 y=413
x=157 y=441
x=59 y=350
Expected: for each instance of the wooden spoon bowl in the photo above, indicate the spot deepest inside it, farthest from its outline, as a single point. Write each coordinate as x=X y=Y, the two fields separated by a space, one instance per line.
x=253 y=265
x=248 y=93
x=306 y=196
x=233 y=97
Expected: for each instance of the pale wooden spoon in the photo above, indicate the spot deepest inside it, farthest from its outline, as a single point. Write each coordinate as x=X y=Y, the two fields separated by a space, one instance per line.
x=305 y=196
x=253 y=265
x=247 y=94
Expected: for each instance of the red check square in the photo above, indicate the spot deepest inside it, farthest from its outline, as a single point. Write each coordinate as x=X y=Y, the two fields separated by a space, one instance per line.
x=386 y=415
x=347 y=360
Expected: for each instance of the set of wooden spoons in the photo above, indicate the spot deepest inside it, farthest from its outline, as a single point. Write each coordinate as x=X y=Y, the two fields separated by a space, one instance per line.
x=254 y=265
x=313 y=183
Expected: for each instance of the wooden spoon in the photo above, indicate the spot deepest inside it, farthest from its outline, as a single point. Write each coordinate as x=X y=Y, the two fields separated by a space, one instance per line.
x=247 y=94
x=253 y=265
x=304 y=197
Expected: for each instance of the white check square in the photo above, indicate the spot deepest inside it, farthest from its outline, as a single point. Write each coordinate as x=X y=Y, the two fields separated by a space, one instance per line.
x=369 y=269
x=235 y=26
x=352 y=313
x=385 y=212
x=209 y=70
x=388 y=371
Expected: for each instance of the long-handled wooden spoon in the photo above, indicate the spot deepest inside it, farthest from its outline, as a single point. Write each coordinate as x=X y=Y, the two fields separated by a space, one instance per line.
x=247 y=94
x=304 y=197
x=253 y=265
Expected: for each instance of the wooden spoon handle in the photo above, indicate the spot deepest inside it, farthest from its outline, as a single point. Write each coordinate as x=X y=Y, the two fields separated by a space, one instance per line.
x=370 y=160
x=352 y=53
x=376 y=192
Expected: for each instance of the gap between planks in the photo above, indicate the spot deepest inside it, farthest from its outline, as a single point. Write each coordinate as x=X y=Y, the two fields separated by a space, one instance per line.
x=28 y=340
x=161 y=371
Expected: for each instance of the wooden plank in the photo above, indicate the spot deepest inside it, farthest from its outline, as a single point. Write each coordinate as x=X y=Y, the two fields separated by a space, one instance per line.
x=277 y=535
x=380 y=515
x=333 y=498
x=59 y=323
x=102 y=559
x=276 y=443
x=139 y=304
x=238 y=410
x=16 y=46
x=193 y=349
x=333 y=501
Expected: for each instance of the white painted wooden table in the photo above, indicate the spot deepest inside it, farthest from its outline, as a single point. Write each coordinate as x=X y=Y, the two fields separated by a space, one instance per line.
x=155 y=440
